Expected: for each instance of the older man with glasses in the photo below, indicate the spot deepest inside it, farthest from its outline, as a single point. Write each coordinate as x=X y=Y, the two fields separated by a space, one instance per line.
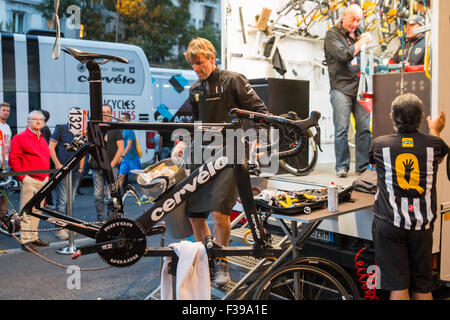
x=30 y=152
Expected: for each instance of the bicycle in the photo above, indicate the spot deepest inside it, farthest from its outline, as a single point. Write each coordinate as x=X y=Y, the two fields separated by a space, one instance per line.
x=8 y=184
x=121 y=242
x=298 y=165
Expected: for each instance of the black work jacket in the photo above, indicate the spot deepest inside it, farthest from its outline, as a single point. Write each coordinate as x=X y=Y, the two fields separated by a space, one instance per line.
x=343 y=67
x=413 y=52
x=213 y=98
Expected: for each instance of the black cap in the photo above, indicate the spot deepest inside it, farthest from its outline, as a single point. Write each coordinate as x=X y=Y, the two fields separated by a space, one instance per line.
x=416 y=20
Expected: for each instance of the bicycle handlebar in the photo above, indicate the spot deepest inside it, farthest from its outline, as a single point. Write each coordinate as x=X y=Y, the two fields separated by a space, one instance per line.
x=301 y=126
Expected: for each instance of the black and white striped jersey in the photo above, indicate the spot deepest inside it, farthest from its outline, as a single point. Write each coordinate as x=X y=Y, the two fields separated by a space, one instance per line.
x=407 y=165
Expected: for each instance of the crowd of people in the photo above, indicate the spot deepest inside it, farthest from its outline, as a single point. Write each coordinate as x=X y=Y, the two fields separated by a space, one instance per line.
x=37 y=149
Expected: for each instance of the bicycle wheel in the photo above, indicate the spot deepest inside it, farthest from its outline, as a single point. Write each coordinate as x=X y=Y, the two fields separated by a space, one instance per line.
x=4 y=230
x=332 y=268
x=298 y=165
x=301 y=282
x=4 y=217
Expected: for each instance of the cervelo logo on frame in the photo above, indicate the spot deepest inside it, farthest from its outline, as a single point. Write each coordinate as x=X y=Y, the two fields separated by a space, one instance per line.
x=205 y=173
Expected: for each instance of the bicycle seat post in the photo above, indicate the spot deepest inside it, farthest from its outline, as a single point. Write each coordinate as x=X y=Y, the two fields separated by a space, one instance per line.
x=95 y=91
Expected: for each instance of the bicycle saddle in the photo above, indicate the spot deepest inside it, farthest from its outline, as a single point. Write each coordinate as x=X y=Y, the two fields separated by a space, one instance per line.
x=84 y=56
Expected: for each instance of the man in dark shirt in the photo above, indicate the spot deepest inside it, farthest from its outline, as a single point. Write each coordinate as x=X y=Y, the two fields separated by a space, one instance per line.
x=212 y=97
x=405 y=204
x=114 y=150
x=342 y=52
x=58 y=153
x=414 y=51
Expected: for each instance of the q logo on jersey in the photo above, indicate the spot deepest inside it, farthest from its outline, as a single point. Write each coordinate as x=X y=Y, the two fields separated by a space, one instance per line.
x=407 y=143
x=197 y=97
x=408 y=173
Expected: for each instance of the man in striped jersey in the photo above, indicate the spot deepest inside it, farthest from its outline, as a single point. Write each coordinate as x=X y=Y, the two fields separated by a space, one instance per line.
x=405 y=203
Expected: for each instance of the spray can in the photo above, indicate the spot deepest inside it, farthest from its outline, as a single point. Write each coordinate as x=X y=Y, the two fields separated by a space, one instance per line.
x=333 y=198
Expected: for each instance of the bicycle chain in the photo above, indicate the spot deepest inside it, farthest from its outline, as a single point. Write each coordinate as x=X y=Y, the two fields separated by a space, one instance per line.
x=45 y=258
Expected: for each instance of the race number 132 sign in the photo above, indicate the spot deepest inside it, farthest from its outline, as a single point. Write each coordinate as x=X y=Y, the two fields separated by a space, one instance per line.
x=78 y=122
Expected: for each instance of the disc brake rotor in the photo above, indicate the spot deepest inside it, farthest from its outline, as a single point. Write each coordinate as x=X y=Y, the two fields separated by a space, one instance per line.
x=132 y=242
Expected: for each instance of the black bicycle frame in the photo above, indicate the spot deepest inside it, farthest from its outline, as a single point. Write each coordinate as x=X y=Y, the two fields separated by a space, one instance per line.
x=168 y=200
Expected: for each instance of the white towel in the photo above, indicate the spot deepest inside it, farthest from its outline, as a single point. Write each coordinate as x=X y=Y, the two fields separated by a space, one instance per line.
x=192 y=282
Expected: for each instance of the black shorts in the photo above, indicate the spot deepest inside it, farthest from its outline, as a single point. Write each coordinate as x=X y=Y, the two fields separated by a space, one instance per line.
x=218 y=195
x=404 y=257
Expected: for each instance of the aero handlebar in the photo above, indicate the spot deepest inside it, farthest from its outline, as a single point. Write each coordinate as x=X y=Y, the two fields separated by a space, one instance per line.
x=300 y=126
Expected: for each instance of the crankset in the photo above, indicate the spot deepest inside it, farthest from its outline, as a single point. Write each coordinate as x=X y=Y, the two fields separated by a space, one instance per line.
x=120 y=242
x=129 y=242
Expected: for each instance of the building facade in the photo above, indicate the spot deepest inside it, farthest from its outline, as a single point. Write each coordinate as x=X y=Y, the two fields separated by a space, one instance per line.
x=205 y=12
x=19 y=16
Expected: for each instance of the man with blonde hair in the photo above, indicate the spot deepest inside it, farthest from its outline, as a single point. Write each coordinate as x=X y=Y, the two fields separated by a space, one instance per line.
x=215 y=93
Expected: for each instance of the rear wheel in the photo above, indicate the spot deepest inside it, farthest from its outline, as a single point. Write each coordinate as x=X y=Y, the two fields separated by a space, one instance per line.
x=333 y=269
x=301 y=282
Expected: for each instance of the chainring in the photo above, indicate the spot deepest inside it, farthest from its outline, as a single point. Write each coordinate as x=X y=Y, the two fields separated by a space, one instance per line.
x=133 y=245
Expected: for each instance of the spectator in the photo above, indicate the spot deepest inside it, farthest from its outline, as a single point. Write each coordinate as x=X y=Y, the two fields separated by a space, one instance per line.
x=130 y=156
x=84 y=173
x=60 y=156
x=165 y=143
x=5 y=132
x=29 y=151
x=114 y=150
x=46 y=133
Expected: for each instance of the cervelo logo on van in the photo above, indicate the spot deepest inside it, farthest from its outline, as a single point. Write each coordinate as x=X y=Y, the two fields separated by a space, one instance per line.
x=203 y=176
x=119 y=79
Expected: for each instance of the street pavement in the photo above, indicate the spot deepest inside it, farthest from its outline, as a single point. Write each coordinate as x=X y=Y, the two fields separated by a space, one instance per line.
x=23 y=275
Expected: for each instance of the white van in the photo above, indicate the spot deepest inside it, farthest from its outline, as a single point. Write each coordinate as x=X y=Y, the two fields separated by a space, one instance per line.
x=171 y=93
x=31 y=79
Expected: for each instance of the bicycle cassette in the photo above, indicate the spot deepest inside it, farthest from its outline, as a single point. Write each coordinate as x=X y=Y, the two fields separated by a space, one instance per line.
x=124 y=242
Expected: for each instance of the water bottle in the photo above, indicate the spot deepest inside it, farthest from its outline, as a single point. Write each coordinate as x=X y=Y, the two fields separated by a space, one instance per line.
x=333 y=198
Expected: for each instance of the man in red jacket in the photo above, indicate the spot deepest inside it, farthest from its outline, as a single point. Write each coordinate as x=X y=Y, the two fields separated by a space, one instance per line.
x=29 y=151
